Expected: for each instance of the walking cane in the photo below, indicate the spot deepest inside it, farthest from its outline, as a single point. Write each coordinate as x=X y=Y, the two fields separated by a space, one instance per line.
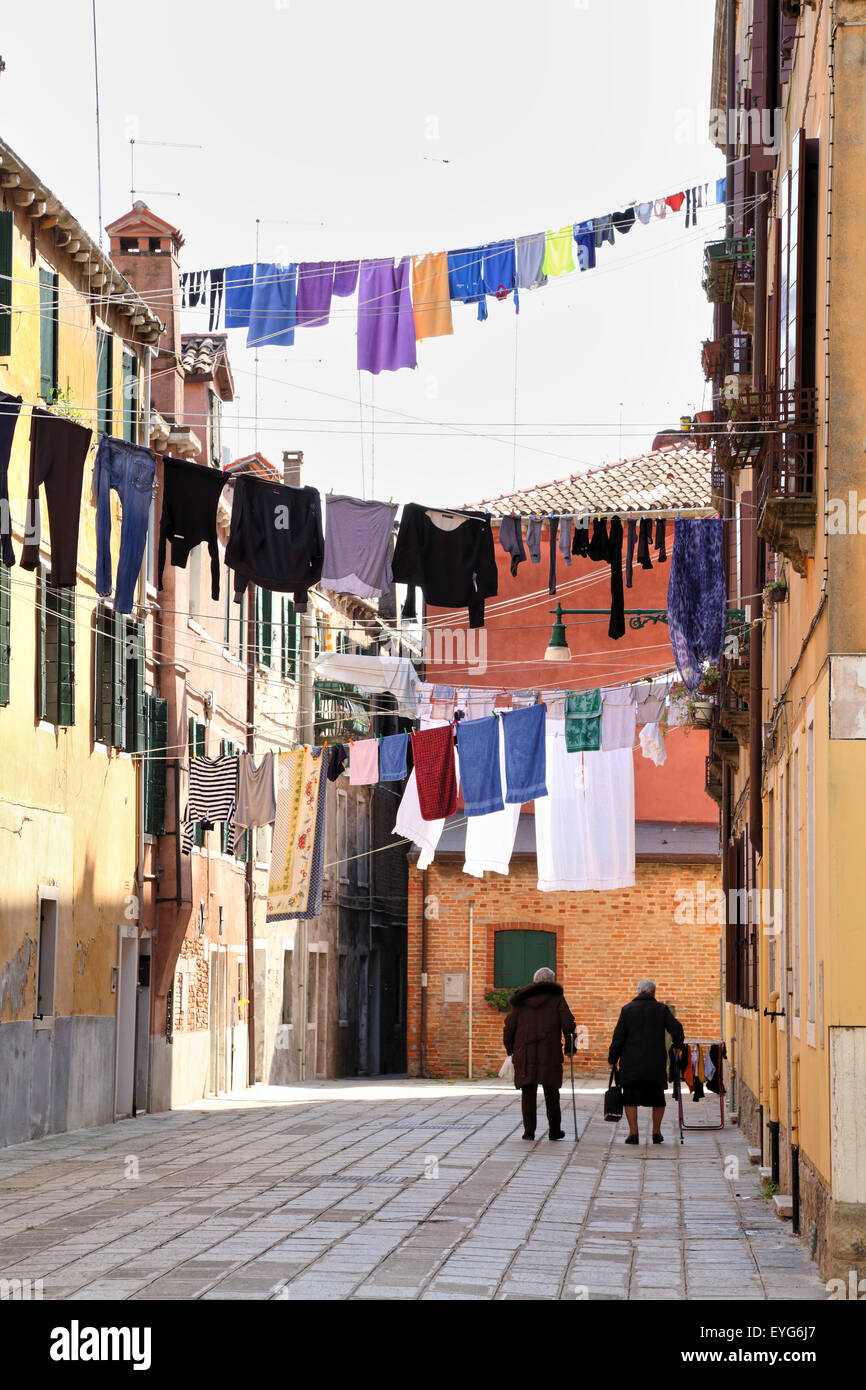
x=573 y=1103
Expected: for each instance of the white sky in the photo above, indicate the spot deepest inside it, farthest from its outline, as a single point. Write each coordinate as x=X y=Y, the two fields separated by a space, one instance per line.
x=317 y=118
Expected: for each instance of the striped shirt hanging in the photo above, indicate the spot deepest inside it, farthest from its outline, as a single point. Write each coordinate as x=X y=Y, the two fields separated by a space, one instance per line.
x=213 y=789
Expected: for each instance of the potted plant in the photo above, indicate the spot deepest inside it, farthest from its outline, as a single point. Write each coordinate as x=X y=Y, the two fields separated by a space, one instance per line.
x=694 y=708
x=776 y=591
x=500 y=998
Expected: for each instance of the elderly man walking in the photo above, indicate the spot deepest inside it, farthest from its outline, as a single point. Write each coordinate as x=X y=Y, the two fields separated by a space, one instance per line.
x=538 y=1020
x=638 y=1047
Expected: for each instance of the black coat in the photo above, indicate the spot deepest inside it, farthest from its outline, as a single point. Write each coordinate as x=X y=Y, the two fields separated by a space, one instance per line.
x=638 y=1043
x=533 y=1032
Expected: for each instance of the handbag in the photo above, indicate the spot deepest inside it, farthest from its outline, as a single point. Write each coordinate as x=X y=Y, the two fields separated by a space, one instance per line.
x=613 y=1098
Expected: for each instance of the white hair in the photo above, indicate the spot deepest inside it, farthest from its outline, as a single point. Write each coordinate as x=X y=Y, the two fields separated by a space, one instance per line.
x=646 y=987
x=543 y=976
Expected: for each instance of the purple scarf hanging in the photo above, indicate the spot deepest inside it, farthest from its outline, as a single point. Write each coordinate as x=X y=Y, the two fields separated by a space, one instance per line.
x=697 y=601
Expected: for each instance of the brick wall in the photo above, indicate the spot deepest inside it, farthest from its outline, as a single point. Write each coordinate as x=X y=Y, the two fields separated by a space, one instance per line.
x=606 y=942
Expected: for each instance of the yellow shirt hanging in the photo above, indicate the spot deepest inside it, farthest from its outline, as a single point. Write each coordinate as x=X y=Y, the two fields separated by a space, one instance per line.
x=558 y=251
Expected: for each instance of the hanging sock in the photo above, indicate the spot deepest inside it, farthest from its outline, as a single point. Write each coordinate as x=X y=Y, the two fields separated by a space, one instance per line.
x=558 y=257
x=553 y=525
x=511 y=540
x=566 y=524
x=533 y=539
x=599 y=546
x=645 y=535
x=630 y=544
x=616 y=626
x=580 y=540
x=661 y=529
x=217 y=281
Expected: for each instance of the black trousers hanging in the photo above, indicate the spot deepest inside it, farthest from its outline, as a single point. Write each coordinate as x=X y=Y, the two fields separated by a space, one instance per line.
x=529 y=1101
x=616 y=626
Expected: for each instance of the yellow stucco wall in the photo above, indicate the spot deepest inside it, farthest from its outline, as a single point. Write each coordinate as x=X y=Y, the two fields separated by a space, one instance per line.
x=67 y=811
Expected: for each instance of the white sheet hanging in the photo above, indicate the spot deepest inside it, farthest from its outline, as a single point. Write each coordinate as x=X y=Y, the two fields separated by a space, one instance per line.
x=490 y=839
x=584 y=827
x=410 y=824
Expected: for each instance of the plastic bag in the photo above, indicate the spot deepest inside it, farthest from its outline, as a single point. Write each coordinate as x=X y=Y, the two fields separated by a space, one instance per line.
x=506 y=1071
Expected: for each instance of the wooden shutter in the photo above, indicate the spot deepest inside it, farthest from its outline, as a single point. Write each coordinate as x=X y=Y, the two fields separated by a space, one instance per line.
x=6 y=229
x=103 y=674
x=267 y=626
x=118 y=682
x=225 y=829
x=139 y=694
x=155 y=767
x=258 y=641
x=5 y=629
x=47 y=334
x=290 y=639
x=104 y=380
x=130 y=396
x=41 y=647
x=743 y=215
x=539 y=949
x=66 y=657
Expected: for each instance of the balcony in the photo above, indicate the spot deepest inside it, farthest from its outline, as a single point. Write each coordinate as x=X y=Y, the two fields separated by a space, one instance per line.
x=728 y=265
x=713 y=779
x=787 y=505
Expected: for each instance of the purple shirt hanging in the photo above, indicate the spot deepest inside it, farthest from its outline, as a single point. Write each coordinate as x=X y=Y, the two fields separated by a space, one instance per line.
x=315 y=286
x=386 y=324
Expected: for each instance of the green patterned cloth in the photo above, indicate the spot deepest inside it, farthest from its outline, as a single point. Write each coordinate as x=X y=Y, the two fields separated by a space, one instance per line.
x=583 y=721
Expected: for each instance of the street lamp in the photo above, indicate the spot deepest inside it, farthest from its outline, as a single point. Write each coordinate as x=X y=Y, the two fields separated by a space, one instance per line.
x=558 y=649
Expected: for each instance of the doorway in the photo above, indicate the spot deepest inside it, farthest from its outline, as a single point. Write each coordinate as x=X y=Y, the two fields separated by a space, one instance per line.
x=127 y=988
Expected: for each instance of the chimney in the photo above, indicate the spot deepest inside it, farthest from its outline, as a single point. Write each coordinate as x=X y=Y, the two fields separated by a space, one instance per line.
x=293 y=462
x=145 y=249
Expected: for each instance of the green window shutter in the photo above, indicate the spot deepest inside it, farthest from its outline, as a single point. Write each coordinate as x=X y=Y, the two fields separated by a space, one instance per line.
x=155 y=767
x=267 y=626
x=66 y=657
x=139 y=694
x=118 y=682
x=290 y=639
x=6 y=230
x=50 y=665
x=103 y=674
x=242 y=627
x=258 y=636
x=227 y=615
x=518 y=954
x=104 y=381
x=198 y=743
x=130 y=396
x=47 y=334
x=5 y=629
x=41 y=646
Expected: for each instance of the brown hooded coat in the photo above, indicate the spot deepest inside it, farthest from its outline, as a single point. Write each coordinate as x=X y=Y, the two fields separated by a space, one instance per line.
x=534 y=1028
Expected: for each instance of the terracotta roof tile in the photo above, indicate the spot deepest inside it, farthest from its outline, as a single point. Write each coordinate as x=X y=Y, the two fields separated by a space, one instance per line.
x=200 y=356
x=664 y=480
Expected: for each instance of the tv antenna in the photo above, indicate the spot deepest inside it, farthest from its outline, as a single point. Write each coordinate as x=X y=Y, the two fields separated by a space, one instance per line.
x=161 y=144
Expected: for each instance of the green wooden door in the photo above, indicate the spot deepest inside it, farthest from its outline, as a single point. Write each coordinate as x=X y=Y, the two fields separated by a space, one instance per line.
x=518 y=954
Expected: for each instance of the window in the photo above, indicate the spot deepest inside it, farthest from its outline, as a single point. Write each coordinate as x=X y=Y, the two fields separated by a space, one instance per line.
x=156 y=750
x=194 y=570
x=130 y=399
x=342 y=837
x=104 y=381
x=5 y=632
x=289 y=637
x=119 y=696
x=197 y=745
x=312 y=984
x=518 y=954
x=6 y=229
x=363 y=844
x=342 y=988
x=215 y=422
x=47 y=958
x=264 y=627
x=55 y=652
x=287 y=1011
x=47 y=334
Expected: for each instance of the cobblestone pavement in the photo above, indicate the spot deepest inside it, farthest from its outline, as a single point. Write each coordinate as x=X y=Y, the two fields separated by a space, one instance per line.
x=391 y=1189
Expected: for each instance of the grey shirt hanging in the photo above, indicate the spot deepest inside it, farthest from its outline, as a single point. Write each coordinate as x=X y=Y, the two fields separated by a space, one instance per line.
x=358 y=546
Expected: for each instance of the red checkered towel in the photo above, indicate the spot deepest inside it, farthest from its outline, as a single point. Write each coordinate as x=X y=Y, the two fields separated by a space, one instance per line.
x=433 y=752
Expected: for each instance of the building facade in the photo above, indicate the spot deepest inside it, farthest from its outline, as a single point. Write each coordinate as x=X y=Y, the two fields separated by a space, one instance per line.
x=787 y=746
x=74 y=338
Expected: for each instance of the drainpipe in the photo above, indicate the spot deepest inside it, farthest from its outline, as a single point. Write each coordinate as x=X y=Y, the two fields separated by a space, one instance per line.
x=469 y=1015
x=795 y=1144
x=730 y=107
x=422 y=1048
x=774 y=1089
x=251 y=857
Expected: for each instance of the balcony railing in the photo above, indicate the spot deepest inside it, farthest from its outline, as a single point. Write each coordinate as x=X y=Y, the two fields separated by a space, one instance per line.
x=728 y=356
x=727 y=264
x=758 y=424
x=787 y=505
x=713 y=779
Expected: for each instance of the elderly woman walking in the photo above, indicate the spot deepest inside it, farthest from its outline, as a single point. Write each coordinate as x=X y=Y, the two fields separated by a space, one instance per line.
x=538 y=1020
x=638 y=1046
